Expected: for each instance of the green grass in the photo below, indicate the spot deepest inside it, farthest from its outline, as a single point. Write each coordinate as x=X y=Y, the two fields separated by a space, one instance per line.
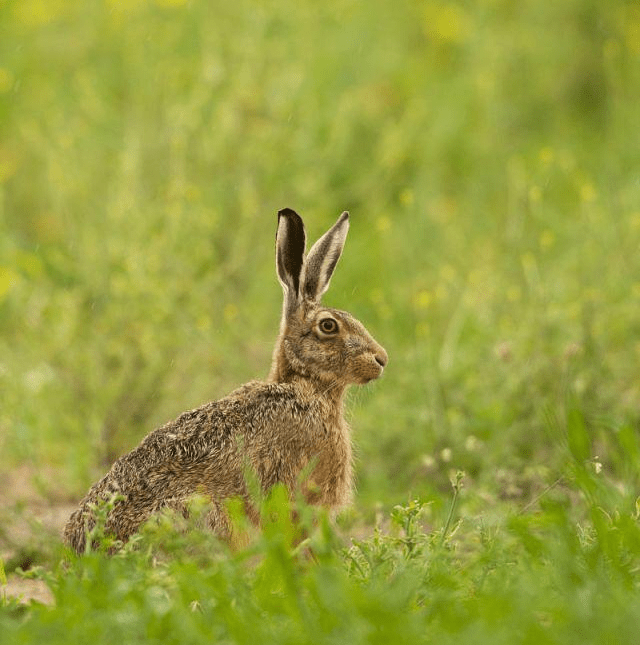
x=488 y=154
x=529 y=579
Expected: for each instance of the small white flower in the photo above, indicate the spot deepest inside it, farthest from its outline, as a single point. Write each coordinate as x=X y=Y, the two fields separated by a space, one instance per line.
x=471 y=443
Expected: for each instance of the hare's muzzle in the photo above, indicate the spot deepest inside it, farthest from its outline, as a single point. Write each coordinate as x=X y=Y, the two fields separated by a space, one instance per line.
x=378 y=363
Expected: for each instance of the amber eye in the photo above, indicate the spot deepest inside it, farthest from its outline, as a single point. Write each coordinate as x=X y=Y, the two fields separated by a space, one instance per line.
x=328 y=326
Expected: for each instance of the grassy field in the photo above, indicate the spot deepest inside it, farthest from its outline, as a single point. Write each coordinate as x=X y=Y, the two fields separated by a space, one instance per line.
x=489 y=154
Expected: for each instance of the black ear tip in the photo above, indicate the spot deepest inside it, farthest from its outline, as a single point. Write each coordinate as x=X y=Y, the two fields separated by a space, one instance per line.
x=287 y=212
x=288 y=217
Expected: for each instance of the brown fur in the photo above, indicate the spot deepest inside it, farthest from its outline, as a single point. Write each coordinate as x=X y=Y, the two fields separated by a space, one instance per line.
x=277 y=428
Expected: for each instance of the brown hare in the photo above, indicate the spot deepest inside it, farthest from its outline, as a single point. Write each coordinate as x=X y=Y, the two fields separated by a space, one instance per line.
x=290 y=424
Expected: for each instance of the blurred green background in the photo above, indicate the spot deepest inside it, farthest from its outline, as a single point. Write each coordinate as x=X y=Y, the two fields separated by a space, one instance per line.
x=489 y=154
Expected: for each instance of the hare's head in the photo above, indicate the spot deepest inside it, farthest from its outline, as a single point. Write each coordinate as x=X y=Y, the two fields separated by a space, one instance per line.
x=325 y=345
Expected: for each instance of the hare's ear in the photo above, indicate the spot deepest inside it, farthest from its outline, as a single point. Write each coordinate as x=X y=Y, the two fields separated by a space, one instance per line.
x=290 y=245
x=323 y=257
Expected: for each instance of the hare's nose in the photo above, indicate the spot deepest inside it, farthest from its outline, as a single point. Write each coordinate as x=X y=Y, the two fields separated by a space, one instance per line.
x=381 y=357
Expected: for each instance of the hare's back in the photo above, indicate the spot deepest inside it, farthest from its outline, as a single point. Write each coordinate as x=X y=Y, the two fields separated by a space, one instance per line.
x=254 y=412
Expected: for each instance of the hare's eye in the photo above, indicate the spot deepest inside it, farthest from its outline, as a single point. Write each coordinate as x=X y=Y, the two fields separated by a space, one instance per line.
x=328 y=326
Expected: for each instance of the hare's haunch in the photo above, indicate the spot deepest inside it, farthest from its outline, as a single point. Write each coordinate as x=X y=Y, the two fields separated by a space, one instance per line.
x=276 y=427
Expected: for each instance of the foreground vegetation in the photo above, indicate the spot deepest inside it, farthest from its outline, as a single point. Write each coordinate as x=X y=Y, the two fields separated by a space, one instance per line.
x=488 y=153
x=537 y=578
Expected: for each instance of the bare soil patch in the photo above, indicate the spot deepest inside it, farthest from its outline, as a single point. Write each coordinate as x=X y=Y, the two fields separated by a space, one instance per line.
x=31 y=523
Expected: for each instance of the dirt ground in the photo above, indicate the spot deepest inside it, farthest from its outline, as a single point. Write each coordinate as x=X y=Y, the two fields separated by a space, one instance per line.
x=30 y=529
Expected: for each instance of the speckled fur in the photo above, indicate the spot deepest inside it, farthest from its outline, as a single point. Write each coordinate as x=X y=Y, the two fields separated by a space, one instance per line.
x=277 y=428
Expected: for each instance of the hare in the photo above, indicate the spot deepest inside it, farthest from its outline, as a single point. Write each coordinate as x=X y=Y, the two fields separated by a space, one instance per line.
x=290 y=424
